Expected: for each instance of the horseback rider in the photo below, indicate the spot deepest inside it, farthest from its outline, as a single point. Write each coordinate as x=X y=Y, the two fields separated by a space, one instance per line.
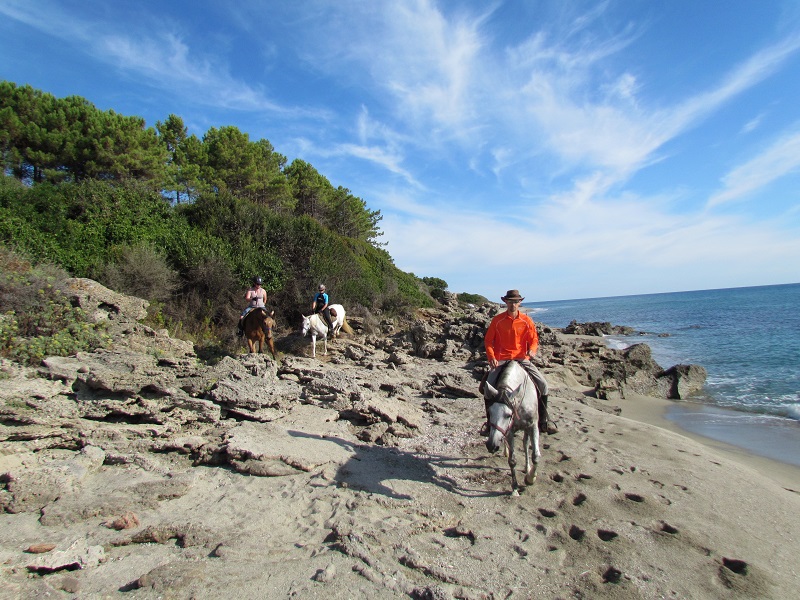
x=320 y=304
x=256 y=297
x=512 y=336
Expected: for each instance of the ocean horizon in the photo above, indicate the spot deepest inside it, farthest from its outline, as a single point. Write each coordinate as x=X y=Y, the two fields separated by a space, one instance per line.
x=747 y=338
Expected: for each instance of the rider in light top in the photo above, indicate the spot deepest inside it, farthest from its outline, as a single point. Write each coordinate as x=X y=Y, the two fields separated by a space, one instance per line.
x=256 y=297
x=512 y=336
x=320 y=305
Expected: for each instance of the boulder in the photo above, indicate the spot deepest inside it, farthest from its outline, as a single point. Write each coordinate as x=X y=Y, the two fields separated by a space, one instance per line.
x=682 y=381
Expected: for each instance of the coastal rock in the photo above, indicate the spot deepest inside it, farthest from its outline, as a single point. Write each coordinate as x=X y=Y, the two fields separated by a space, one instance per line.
x=598 y=329
x=121 y=314
x=360 y=471
x=683 y=381
x=38 y=480
x=79 y=555
x=103 y=304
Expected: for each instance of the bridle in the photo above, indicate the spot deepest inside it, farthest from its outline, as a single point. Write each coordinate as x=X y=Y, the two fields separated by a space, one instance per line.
x=513 y=407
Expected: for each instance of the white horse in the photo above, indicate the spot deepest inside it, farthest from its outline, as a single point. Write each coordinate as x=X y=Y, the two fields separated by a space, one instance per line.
x=316 y=326
x=513 y=405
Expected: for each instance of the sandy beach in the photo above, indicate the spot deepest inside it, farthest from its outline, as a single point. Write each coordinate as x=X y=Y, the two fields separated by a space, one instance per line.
x=656 y=411
x=362 y=474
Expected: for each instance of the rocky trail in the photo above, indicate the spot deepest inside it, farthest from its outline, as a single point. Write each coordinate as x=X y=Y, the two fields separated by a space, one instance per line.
x=139 y=472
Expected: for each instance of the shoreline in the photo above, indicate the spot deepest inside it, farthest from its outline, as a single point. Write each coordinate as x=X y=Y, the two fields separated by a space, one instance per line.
x=656 y=411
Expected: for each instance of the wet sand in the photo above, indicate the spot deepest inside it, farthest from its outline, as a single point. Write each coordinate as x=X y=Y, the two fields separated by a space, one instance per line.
x=770 y=445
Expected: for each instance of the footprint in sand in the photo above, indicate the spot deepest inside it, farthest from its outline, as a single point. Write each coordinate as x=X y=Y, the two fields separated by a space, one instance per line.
x=612 y=575
x=606 y=535
x=634 y=497
x=734 y=564
x=667 y=528
x=576 y=533
x=579 y=499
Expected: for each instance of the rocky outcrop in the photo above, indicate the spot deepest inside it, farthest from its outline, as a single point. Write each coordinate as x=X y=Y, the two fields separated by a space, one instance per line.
x=143 y=466
x=149 y=395
x=597 y=328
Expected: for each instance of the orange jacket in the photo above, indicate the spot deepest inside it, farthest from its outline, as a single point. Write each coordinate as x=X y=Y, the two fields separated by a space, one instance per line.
x=511 y=339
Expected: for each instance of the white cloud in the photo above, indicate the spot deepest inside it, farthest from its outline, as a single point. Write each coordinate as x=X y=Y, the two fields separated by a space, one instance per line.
x=780 y=159
x=618 y=132
x=616 y=246
x=753 y=124
x=159 y=55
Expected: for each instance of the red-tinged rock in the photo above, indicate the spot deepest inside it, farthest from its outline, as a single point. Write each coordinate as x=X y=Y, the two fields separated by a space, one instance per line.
x=40 y=548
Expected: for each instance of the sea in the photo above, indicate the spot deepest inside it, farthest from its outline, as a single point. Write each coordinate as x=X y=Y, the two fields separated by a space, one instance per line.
x=748 y=339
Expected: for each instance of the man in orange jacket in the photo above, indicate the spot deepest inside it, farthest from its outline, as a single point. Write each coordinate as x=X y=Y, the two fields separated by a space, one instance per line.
x=512 y=336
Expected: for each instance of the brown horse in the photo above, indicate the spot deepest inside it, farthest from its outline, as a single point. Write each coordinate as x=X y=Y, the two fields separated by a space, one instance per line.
x=258 y=325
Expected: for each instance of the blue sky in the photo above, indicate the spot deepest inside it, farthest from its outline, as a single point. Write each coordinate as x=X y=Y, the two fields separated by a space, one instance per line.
x=567 y=149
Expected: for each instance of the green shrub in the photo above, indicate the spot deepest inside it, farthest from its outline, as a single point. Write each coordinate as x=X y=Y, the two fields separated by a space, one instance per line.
x=141 y=271
x=37 y=319
x=468 y=298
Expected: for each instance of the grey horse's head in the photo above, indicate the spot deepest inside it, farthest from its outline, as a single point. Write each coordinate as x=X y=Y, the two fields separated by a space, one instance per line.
x=502 y=399
x=501 y=419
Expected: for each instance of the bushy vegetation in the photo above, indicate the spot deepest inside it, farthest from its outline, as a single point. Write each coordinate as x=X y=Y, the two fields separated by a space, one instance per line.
x=182 y=221
x=476 y=299
x=36 y=318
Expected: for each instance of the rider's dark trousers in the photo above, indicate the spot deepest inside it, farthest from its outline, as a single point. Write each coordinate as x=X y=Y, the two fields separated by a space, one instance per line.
x=326 y=314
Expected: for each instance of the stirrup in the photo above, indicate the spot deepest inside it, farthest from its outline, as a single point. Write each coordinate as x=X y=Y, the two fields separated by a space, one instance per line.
x=548 y=427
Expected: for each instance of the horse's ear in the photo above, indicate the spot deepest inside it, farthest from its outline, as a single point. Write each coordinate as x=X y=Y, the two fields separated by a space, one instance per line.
x=491 y=392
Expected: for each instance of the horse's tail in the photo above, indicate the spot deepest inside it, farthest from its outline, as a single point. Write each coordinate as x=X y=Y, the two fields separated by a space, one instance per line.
x=346 y=326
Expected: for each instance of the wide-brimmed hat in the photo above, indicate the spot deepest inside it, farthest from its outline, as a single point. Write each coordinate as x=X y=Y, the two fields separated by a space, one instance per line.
x=512 y=295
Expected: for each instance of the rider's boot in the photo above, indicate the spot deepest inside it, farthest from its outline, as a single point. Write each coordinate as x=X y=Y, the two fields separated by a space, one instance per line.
x=545 y=424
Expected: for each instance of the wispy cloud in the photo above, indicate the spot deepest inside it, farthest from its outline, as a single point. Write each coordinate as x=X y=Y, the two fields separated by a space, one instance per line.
x=778 y=160
x=619 y=131
x=157 y=54
x=753 y=123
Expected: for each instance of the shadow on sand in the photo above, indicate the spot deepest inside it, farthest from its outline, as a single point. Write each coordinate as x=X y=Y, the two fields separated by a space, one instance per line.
x=383 y=470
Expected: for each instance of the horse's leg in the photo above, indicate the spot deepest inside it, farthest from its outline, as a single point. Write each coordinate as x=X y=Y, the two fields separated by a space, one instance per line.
x=313 y=345
x=531 y=446
x=250 y=345
x=325 y=344
x=512 y=464
x=271 y=344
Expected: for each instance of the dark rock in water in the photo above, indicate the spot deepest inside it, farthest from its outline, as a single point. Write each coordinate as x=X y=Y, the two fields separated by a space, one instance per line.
x=684 y=380
x=597 y=328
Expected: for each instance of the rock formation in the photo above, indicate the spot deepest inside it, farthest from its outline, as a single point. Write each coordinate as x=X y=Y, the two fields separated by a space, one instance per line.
x=99 y=442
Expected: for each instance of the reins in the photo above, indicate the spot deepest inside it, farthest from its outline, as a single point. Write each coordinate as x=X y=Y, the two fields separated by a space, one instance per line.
x=513 y=408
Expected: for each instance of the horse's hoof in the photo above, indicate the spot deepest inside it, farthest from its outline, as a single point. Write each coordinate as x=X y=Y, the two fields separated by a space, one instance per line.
x=515 y=493
x=530 y=480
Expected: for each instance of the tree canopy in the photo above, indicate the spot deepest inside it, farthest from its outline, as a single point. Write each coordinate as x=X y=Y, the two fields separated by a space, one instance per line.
x=59 y=140
x=185 y=220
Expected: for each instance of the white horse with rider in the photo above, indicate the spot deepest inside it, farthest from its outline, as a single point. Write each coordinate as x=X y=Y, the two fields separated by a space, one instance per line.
x=315 y=326
x=513 y=405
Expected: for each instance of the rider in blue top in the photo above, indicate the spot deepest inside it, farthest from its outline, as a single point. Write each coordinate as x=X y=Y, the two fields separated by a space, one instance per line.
x=320 y=305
